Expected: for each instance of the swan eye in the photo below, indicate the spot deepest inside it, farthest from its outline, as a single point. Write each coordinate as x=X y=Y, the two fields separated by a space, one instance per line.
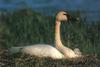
x=65 y=14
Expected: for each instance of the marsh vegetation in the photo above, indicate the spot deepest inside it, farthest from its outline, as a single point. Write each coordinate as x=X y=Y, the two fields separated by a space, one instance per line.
x=26 y=27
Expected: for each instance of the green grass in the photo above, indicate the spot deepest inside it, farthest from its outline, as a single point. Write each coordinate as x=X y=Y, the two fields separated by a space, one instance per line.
x=26 y=27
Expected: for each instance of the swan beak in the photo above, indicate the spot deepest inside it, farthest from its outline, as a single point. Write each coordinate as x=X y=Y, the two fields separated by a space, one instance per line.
x=70 y=18
x=73 y=19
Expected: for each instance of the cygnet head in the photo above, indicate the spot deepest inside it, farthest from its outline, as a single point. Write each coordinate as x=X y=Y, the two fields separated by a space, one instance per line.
x=77 y=51
x=64 y=16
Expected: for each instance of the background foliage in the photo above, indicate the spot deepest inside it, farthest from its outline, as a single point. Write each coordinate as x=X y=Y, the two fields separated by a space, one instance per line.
x=26 y=27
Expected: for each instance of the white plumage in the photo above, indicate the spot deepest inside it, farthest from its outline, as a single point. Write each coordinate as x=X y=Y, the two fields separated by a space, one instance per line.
x=40 y=50
x=45 y=50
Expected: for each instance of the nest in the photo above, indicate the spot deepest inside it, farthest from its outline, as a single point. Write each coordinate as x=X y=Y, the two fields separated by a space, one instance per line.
x=25 y=60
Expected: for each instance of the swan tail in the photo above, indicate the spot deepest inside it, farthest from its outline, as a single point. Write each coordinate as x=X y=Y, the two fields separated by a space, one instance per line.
x=15 y=49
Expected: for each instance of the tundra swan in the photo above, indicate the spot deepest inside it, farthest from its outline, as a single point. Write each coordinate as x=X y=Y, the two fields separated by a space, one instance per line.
x=45 y=50
x=67 y=52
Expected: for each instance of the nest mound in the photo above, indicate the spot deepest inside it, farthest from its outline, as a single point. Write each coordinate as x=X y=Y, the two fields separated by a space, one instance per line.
x=24 y=60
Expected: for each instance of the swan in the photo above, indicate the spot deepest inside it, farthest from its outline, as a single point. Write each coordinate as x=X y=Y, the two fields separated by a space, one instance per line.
x=46 y=50
x=77 y=51
x=67 y=52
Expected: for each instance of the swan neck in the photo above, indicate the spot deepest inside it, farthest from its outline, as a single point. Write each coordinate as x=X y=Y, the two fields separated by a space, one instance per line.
x=58 y=42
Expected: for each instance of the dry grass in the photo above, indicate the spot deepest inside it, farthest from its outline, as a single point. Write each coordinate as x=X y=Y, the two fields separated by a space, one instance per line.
x=23 y=60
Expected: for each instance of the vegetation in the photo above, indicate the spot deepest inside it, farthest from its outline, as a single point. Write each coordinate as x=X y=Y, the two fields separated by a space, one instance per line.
x=26 y=27
x=23 y=60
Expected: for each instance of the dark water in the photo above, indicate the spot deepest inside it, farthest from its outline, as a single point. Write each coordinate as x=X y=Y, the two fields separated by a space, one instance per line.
x=50 y=7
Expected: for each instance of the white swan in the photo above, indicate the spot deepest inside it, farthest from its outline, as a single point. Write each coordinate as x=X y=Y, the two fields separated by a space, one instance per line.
x=45 y=50
x=68 y=53
x=40 y=50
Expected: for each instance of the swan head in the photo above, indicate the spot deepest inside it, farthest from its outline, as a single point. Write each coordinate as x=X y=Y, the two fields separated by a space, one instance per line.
x=65 y=16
